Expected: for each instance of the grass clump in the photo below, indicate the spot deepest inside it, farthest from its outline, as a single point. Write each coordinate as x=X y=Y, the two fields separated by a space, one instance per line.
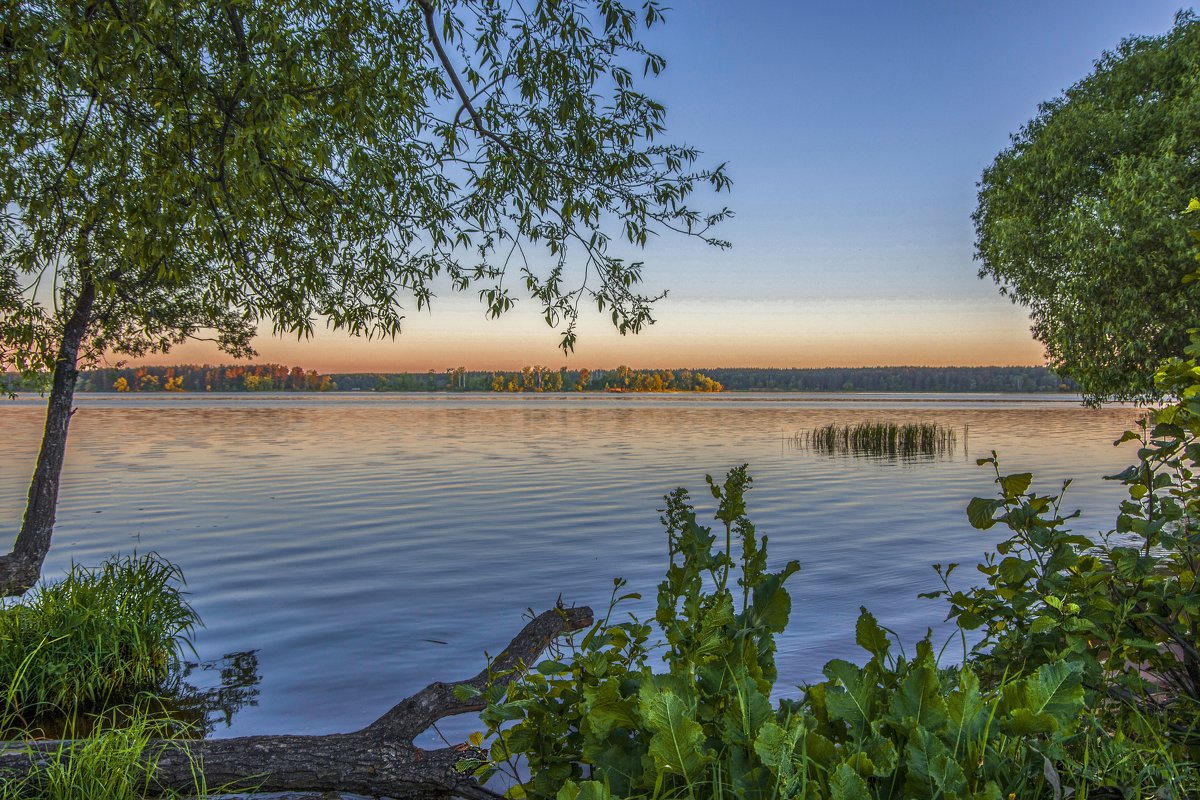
x=115 y=763
x=94 y=640
x=88 y=659
x=902 y=440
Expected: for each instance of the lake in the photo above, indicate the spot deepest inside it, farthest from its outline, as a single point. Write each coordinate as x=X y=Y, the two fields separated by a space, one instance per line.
x=363 y=545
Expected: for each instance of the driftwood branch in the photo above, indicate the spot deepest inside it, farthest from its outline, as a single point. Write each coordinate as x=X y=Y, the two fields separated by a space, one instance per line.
x=379 y=760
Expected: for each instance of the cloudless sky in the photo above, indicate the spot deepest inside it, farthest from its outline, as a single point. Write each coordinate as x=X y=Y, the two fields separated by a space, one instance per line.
x=855 y=134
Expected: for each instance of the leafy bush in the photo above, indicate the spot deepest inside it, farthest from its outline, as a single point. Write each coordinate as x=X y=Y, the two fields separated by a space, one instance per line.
x=95 y=639
x=599 y=721
x=1125 y=607
x=896 y=728
x=694 y=725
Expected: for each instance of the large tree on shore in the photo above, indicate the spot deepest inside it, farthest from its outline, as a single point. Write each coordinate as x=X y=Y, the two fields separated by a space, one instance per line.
x=174 y=169
x=1079 y=219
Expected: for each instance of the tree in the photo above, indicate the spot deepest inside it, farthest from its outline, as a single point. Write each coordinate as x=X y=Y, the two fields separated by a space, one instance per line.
x=180 y=169
x=1079 y=218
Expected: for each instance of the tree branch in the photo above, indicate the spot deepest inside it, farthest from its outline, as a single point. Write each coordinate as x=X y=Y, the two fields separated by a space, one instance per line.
x=431 y=28
x=379 y=760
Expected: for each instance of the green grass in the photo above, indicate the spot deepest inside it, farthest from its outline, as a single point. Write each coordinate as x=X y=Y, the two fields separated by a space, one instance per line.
x=85 y=659
x=880 y=439
x=94 y=640
x=109 y=764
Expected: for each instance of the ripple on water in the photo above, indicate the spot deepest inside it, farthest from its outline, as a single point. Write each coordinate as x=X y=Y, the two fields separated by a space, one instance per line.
x=345 y=538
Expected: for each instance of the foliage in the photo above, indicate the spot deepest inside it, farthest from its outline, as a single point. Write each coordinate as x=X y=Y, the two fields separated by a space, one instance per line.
x=116 y=760
x=621 y=379
x=598 y=721
x=208 y=165
x=892 y=379
x=1125 y=608
x=693 y=727
x=896 y=728
x=1130 y=598
x=96 y=639
x=1077 y=218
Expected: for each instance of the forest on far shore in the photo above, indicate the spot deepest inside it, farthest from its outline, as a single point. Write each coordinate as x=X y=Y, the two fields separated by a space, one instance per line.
x=280 y=378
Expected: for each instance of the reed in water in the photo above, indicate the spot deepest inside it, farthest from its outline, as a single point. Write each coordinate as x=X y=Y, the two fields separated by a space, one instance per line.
x=881 y=439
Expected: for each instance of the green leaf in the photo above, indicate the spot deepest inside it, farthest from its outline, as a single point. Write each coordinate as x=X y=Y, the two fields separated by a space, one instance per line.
x=1056 y=689
x=918 y=700
x=932 y=772
x=980 y=512
x=1128 y=474
x=585 y=790
x=465 y=692
x=1015 y=485
x=1016 y=571
x=870 y=636
x=771 y=603
x=676 y=742
x=776 y=749
x=854 y=699
x=604 y=709
x=966 y=711
x=846 y=784
x=1045 y=702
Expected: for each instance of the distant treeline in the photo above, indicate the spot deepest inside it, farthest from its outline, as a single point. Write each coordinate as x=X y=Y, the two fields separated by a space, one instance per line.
x=279 y=378
x=206 y=378
x=535 y=379
x=894 y=379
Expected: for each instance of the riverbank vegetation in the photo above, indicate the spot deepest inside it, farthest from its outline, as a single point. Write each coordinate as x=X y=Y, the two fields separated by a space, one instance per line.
x=89 y=660
x=96 y=639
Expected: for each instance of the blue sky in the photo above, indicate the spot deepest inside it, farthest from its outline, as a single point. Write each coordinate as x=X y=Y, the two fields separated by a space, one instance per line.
x=855 y=134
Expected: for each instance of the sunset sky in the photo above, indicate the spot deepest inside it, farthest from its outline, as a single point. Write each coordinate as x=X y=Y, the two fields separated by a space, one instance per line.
x=855 y=134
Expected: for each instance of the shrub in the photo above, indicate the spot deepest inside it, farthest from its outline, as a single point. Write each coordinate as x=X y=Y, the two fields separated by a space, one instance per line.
x=95 y=639
x=598 y=720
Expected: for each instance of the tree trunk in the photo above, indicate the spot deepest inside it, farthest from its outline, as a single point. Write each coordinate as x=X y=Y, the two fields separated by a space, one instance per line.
x=379 y=760
x=20 y=569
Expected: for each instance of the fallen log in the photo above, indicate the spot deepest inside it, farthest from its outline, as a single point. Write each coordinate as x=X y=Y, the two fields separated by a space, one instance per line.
x=379 y=761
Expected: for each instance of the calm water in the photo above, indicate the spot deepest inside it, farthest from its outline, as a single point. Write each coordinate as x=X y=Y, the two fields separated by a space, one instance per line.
x=365 y=545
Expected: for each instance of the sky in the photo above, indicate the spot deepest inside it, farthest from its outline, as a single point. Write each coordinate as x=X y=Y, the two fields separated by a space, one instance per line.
x=855 y=134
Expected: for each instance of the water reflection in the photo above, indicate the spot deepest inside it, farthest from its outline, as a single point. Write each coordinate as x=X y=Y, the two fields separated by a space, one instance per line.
x=413 y=521
x=197 y=698
x=207 y=694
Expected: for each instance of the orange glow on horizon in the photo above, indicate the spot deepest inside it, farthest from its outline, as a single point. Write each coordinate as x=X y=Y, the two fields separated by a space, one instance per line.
x=691 y=335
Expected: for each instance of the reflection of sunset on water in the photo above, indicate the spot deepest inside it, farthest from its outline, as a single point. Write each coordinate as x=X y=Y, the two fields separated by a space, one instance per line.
x=323 y=530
